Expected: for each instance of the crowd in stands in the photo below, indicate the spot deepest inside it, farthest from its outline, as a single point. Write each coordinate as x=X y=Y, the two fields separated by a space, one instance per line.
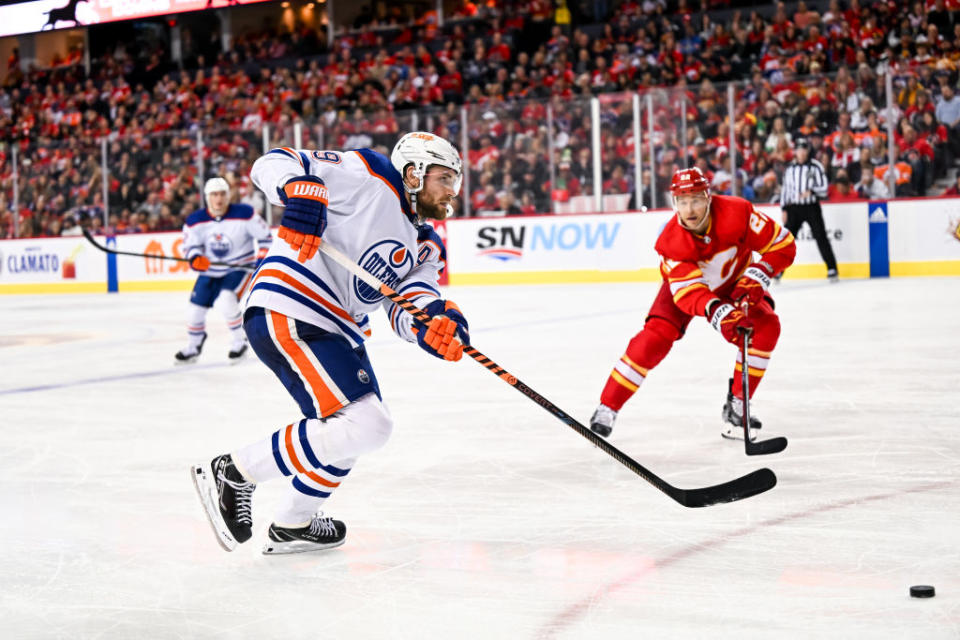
x=525 y=76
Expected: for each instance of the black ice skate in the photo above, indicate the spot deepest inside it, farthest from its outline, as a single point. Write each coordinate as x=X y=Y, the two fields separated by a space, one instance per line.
x=236 y=355
x=733 y=418
x=601 y=422
x=226 y=496
x=189 y=357
x=319 y=533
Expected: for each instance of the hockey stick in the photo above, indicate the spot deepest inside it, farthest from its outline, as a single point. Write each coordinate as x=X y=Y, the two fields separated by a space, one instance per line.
x=89 y=236
x=763 y=447
x=749 y=485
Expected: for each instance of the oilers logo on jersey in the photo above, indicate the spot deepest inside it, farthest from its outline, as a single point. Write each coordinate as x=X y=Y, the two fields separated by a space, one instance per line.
x=219 y=245
x=388 y=260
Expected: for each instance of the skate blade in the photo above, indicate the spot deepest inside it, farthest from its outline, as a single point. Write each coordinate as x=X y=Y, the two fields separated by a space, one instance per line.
x=180 y=363
x=272 y=548
x=206 y=490
x=238 y=359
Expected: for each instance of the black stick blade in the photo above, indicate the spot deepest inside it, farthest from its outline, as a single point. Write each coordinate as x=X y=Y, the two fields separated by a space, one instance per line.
x=744 y=487
x=765 y=447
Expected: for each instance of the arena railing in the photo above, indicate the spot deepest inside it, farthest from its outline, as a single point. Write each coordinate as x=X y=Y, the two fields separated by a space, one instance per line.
x=555 y=155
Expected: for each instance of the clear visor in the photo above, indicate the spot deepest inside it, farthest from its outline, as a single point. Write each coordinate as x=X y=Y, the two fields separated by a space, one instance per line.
x=452 y=181
x=690 y=198
x=691 y=208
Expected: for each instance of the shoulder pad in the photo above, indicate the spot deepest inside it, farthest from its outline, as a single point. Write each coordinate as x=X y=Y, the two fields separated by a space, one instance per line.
x=675 y=242
x=198 y=216
x=427 y=234
x=239 y=212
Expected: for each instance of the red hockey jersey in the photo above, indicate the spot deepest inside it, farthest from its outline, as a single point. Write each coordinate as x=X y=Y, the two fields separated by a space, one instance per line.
x=701 y=268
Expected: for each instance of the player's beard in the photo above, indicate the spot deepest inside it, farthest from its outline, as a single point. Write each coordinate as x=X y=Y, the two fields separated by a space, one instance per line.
x=431 y=209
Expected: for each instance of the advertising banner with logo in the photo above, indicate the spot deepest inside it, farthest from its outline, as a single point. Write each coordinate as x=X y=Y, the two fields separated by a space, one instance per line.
x=618 y=247
x=41 y=15
x=597 y=248
x=152 y=273
x=921 y=237
x=45 y=265
x=924 y=237
x=849 y=235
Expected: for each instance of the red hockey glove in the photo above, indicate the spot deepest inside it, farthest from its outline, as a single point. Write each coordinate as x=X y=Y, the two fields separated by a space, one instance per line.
x=752 y=285
x=447 y=332
x=727 y=320
x=200 y=263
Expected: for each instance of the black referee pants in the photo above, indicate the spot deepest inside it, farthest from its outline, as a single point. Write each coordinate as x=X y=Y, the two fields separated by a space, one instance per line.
x=797 y=214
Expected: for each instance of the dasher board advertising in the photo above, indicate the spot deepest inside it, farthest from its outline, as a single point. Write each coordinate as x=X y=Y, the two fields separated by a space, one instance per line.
x=46 y=15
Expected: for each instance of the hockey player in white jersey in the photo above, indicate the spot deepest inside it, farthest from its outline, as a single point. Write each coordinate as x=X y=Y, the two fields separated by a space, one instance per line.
x=227 y=233
x=306 y=319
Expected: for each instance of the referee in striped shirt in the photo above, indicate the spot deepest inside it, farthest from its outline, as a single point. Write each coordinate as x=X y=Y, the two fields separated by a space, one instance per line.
x=804 y=185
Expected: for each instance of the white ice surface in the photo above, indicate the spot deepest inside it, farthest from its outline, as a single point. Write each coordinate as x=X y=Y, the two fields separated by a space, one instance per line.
x=484 y=516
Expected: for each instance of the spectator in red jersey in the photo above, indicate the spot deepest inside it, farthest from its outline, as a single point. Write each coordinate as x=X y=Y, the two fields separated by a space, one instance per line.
x=567 y=185
x=841 y=189
x=617 y=182
x=919 y=154
x=527 y=204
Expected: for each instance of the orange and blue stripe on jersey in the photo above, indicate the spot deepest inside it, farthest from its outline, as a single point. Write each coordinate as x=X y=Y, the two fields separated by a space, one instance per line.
x=299 y=156
x=411 y=291
x=429 y=240
x=291 y=279
x=379 y=166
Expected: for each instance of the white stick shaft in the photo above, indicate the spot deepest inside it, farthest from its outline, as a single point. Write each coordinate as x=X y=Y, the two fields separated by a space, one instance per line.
x=340 y=258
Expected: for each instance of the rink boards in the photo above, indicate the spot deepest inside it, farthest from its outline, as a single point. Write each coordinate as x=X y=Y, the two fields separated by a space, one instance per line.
x=912 y=237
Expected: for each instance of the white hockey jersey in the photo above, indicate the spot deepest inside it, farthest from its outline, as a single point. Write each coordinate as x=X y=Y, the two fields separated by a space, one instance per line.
x=368 y=219
x=229 y=238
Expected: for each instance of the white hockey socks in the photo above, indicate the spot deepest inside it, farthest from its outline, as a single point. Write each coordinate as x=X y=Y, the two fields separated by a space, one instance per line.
x=196 y=326
x=308 y=492
x=230 y=308
x=310 y=445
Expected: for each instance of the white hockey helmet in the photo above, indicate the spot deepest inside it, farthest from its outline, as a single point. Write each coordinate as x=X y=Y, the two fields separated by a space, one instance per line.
x=422 y=149
x=214 y=185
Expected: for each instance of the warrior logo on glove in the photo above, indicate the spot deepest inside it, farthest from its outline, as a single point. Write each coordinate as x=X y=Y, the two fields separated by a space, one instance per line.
x=305 y=214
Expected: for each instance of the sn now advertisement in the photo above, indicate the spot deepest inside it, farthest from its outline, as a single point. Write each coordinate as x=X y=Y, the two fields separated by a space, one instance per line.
x=553 y=248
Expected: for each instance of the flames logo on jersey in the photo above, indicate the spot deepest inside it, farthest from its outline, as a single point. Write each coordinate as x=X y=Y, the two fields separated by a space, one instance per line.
x=388 y=261
x=219 y=245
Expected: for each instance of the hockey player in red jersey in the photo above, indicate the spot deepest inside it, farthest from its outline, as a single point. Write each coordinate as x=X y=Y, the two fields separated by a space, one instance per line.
x=707 y=259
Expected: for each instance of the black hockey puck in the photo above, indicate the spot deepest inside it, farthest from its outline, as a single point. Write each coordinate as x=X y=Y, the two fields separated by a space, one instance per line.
x=922 y=591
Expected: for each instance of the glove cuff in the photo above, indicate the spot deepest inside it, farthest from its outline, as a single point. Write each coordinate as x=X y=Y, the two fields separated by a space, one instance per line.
x=719 y=313
x=307 y=187
x=758 y=274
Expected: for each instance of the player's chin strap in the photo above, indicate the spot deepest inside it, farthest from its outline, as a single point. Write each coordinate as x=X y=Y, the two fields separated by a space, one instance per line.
x=420 y=175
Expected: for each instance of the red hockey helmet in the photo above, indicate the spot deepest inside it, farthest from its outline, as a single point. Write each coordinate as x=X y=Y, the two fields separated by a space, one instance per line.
x=689 y=180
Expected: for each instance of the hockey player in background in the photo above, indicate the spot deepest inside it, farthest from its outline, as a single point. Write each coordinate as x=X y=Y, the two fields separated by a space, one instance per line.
x=716 y=253
x=227 y=233
x=306 y=319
